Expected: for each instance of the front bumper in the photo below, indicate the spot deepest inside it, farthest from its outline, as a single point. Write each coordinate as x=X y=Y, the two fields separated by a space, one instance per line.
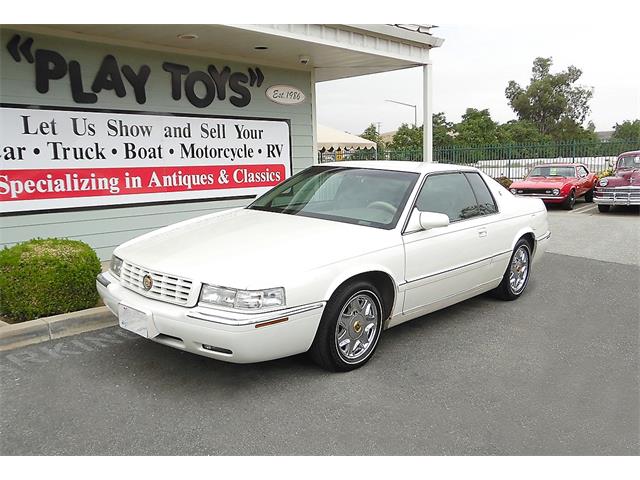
x=228 y=336
x=623 y=196
x=544 y=198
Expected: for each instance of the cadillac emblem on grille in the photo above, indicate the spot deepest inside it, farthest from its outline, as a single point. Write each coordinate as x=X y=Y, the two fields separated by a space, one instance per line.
x=147 y=282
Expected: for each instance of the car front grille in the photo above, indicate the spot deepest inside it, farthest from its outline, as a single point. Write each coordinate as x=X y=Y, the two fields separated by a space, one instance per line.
x=619 y=194
x=166 y=288
x=534 y=191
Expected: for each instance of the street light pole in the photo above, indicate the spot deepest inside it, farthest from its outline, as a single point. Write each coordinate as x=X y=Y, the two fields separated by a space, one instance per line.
x=415 y=110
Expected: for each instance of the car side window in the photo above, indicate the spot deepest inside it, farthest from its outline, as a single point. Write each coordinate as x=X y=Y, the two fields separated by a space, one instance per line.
x=448 y=193
x=582 y=172
x=486 y=202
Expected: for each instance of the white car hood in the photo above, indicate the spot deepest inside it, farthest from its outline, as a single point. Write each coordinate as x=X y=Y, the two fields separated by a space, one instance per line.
x=251 y=249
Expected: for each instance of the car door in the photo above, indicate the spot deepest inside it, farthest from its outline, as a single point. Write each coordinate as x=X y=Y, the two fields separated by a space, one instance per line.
x=443 y=262
x=583 y=180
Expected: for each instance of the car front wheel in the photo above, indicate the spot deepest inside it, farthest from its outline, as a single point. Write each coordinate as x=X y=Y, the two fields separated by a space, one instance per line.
x=516 y=277
x=570 y=201
x=588 y=197
x=604 y=208
x=350 y=328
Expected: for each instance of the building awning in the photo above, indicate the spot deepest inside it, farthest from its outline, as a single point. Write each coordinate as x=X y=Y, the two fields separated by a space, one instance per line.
x=331 y=51
x=329 y=138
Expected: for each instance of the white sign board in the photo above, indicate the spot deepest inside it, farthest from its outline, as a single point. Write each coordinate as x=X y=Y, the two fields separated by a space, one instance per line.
x=285 y=94
x=63 y=158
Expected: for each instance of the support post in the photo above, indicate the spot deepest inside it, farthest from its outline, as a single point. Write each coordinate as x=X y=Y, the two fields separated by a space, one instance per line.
x=427 y=133
x=314 y=119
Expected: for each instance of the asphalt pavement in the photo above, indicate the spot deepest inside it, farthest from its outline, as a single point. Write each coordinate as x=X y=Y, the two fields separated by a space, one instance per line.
x=585 y=232
x=555 y=372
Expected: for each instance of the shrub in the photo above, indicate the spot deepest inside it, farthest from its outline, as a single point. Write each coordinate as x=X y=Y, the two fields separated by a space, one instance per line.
x=45 y=277
x=504 y=181
x=605 y=173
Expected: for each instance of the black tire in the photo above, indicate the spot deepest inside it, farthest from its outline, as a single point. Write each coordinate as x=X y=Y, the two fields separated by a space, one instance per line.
x=325 y=351
x=588 y=197
x=505 y=290
x=604 y=208
x=570 y=201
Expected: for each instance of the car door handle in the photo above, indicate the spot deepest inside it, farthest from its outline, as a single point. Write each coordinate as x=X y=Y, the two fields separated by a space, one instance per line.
x=482 y=232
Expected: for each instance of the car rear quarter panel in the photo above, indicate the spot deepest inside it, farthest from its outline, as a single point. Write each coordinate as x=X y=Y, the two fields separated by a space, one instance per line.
x=519 y=216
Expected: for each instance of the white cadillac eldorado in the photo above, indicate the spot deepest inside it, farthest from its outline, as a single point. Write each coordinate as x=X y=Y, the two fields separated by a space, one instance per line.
x=325 y=261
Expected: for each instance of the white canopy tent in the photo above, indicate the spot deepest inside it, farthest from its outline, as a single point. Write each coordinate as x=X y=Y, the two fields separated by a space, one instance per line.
x=330 y=138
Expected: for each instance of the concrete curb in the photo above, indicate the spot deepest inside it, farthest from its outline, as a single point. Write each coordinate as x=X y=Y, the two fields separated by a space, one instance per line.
x=58 y=326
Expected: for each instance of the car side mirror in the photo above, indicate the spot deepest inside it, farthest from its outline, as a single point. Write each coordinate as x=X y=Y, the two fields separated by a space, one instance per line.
x=430 y=220
x=426 y=221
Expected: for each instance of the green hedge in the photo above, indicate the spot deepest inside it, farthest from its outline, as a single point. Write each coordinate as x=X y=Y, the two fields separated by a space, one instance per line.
x=45 y=277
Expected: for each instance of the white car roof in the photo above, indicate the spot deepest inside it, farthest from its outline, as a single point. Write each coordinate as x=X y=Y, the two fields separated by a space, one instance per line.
x=418 y=167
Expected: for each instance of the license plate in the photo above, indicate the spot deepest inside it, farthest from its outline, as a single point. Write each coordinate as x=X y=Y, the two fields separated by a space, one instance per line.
x=133 y=320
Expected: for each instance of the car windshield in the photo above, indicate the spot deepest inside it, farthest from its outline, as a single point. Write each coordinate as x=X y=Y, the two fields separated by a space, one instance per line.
x=629 y=161
x=361 y=196
x=553 y=171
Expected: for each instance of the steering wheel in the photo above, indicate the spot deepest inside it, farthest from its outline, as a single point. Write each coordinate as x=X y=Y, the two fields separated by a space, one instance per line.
x=379 y=204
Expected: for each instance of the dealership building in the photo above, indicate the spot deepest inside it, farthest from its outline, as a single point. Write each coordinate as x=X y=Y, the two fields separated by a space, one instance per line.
x=110 y=131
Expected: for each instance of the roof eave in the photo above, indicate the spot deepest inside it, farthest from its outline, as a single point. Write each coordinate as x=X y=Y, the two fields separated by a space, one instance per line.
x=415 y=38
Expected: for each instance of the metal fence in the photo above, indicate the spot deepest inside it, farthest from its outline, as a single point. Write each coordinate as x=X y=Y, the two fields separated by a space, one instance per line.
x=509 y=160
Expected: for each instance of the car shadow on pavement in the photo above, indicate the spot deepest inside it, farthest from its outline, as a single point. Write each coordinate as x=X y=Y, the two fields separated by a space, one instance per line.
x=162 y=365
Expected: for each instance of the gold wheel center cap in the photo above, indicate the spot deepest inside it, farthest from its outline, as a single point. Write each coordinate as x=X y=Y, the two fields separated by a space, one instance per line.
x=357 y=327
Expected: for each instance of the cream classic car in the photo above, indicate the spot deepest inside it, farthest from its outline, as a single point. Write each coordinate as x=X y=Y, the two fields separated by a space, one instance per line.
x=326 y=261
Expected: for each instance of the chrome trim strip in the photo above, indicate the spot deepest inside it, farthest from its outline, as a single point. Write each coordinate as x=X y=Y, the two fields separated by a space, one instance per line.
x=544 y=237
x=448 y=297
x=424 y=277
x=541 y=196
x=102 y=280
x=217 y=316
x=617 y=201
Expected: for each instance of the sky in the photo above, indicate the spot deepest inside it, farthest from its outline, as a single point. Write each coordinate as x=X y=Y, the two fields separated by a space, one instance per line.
x=475 y=63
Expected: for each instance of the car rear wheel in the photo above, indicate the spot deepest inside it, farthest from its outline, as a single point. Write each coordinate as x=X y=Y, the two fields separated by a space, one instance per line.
x=516 y=277
x=350 y=328
x=570 y=201
x=604 y=208
x=588 y=197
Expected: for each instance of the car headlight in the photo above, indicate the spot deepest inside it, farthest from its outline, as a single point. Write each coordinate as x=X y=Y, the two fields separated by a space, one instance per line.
x=116 y=265
x=603 y=182
x=242 y=299
x=556 y=191
x=513 y=190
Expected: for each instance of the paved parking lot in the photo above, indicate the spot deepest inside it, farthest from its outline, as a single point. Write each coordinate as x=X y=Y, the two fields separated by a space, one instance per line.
x=556 y=372
x=585 y=232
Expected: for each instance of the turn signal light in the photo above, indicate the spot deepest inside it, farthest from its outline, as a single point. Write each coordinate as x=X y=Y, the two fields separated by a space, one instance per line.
x=271 y=322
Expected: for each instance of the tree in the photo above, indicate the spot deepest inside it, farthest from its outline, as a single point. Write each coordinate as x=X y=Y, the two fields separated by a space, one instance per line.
x=627 y=130
x=443 y=132
x=520 y=131
x=476 y=128
x=410 y=137
x=407 y=137
x=551 y=101
x=371 y=133
x=568 y=130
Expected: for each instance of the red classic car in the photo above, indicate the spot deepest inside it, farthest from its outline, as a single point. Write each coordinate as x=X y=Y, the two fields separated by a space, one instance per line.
x=557 y=183
x=623 y=187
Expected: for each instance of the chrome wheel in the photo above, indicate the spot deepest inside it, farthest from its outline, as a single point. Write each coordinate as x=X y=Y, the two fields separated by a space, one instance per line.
x=519 y=269
x=357 y=327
